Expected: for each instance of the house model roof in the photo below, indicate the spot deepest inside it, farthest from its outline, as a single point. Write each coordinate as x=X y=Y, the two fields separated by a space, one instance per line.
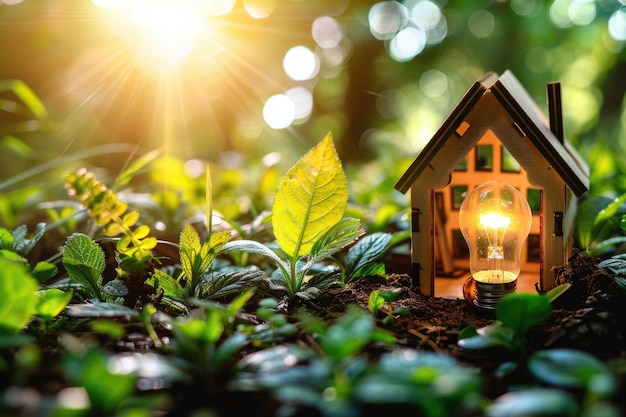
x=529 y=119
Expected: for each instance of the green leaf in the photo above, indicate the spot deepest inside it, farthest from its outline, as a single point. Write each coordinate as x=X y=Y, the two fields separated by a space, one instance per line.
x=84 y=261
x=6 y=239
x=51 y=303
x=557 y=291
x=106 y=388
x=376 y=269
x=100 y=310
x=26 y=95
x=493 y=335
x=170 y=286
x=366 y=251
x=115 y=288
x=566 y=368
x=344 y=232
x=43 y=271
x=189 y=246
x=135 y=167
x=24 y=246
x=254 y=247
x=536 y=402
x=217 y=285
x=18 y=301
x=311 y=199
x=375 y=302
x=521 y=311
x=349 y=334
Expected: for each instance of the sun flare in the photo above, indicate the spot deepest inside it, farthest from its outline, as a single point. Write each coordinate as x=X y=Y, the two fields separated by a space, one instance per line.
x=162 y=32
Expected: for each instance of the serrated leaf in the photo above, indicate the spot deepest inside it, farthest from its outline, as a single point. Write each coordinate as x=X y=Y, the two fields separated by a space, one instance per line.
x=344 y=232
x=84 y=261
x=170 y=286
x=189 y=246
x=366 y=251
x=311 y=198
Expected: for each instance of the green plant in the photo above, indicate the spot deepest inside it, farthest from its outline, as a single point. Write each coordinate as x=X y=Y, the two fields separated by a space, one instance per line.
x=205 y=344
x=18 y=301
x=598 y=222
x=307 y=220
x=14 y=245
x=135 y=246
x=516 y=313
x=563 y=371
x=379 y=299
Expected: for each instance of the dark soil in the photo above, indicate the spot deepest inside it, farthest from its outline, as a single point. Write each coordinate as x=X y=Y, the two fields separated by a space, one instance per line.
x=589 y=316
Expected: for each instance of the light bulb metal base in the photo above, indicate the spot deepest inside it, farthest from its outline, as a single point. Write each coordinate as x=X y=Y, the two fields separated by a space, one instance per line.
x=487 y=295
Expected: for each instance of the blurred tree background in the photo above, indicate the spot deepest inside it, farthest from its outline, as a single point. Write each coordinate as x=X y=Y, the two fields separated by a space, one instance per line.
x=231 y=81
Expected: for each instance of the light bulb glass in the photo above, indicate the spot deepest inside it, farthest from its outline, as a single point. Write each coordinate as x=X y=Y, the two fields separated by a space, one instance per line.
x=495 y=220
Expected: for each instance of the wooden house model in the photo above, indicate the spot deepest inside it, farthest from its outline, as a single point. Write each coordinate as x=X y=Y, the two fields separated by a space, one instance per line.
x=496 y=132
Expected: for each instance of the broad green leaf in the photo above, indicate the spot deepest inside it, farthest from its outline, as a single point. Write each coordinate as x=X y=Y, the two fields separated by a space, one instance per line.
x=84 y=261
x=566 y=367
x=43 y=271
x=521 y=311
x=107 y=389
x=311 y=198
x=252 y=246
x=344 y=232
x=376 y=269
x=367 y=250
x=51 y=303
x=535 y=402
x=18 y=301
x=349 y=334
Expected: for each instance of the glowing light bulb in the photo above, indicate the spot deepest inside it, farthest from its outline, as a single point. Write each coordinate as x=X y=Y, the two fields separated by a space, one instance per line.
x=495 y=220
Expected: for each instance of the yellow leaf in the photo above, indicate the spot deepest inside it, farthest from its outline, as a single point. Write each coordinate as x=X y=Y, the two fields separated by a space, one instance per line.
x=311 y=198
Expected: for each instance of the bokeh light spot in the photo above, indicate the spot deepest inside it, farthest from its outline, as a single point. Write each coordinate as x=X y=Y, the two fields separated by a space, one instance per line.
x=279 y=111
x=259 y=9
x=300 y=63
x=434 y=83
x=426 y=14
x=617 y=25
x=387 y=18
x=326 y=32
x=407 y=44
x=481 y=24
x=303 y=102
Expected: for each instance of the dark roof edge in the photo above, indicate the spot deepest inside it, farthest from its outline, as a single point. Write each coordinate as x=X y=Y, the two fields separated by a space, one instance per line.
x=544 y=140
x=449 y=126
